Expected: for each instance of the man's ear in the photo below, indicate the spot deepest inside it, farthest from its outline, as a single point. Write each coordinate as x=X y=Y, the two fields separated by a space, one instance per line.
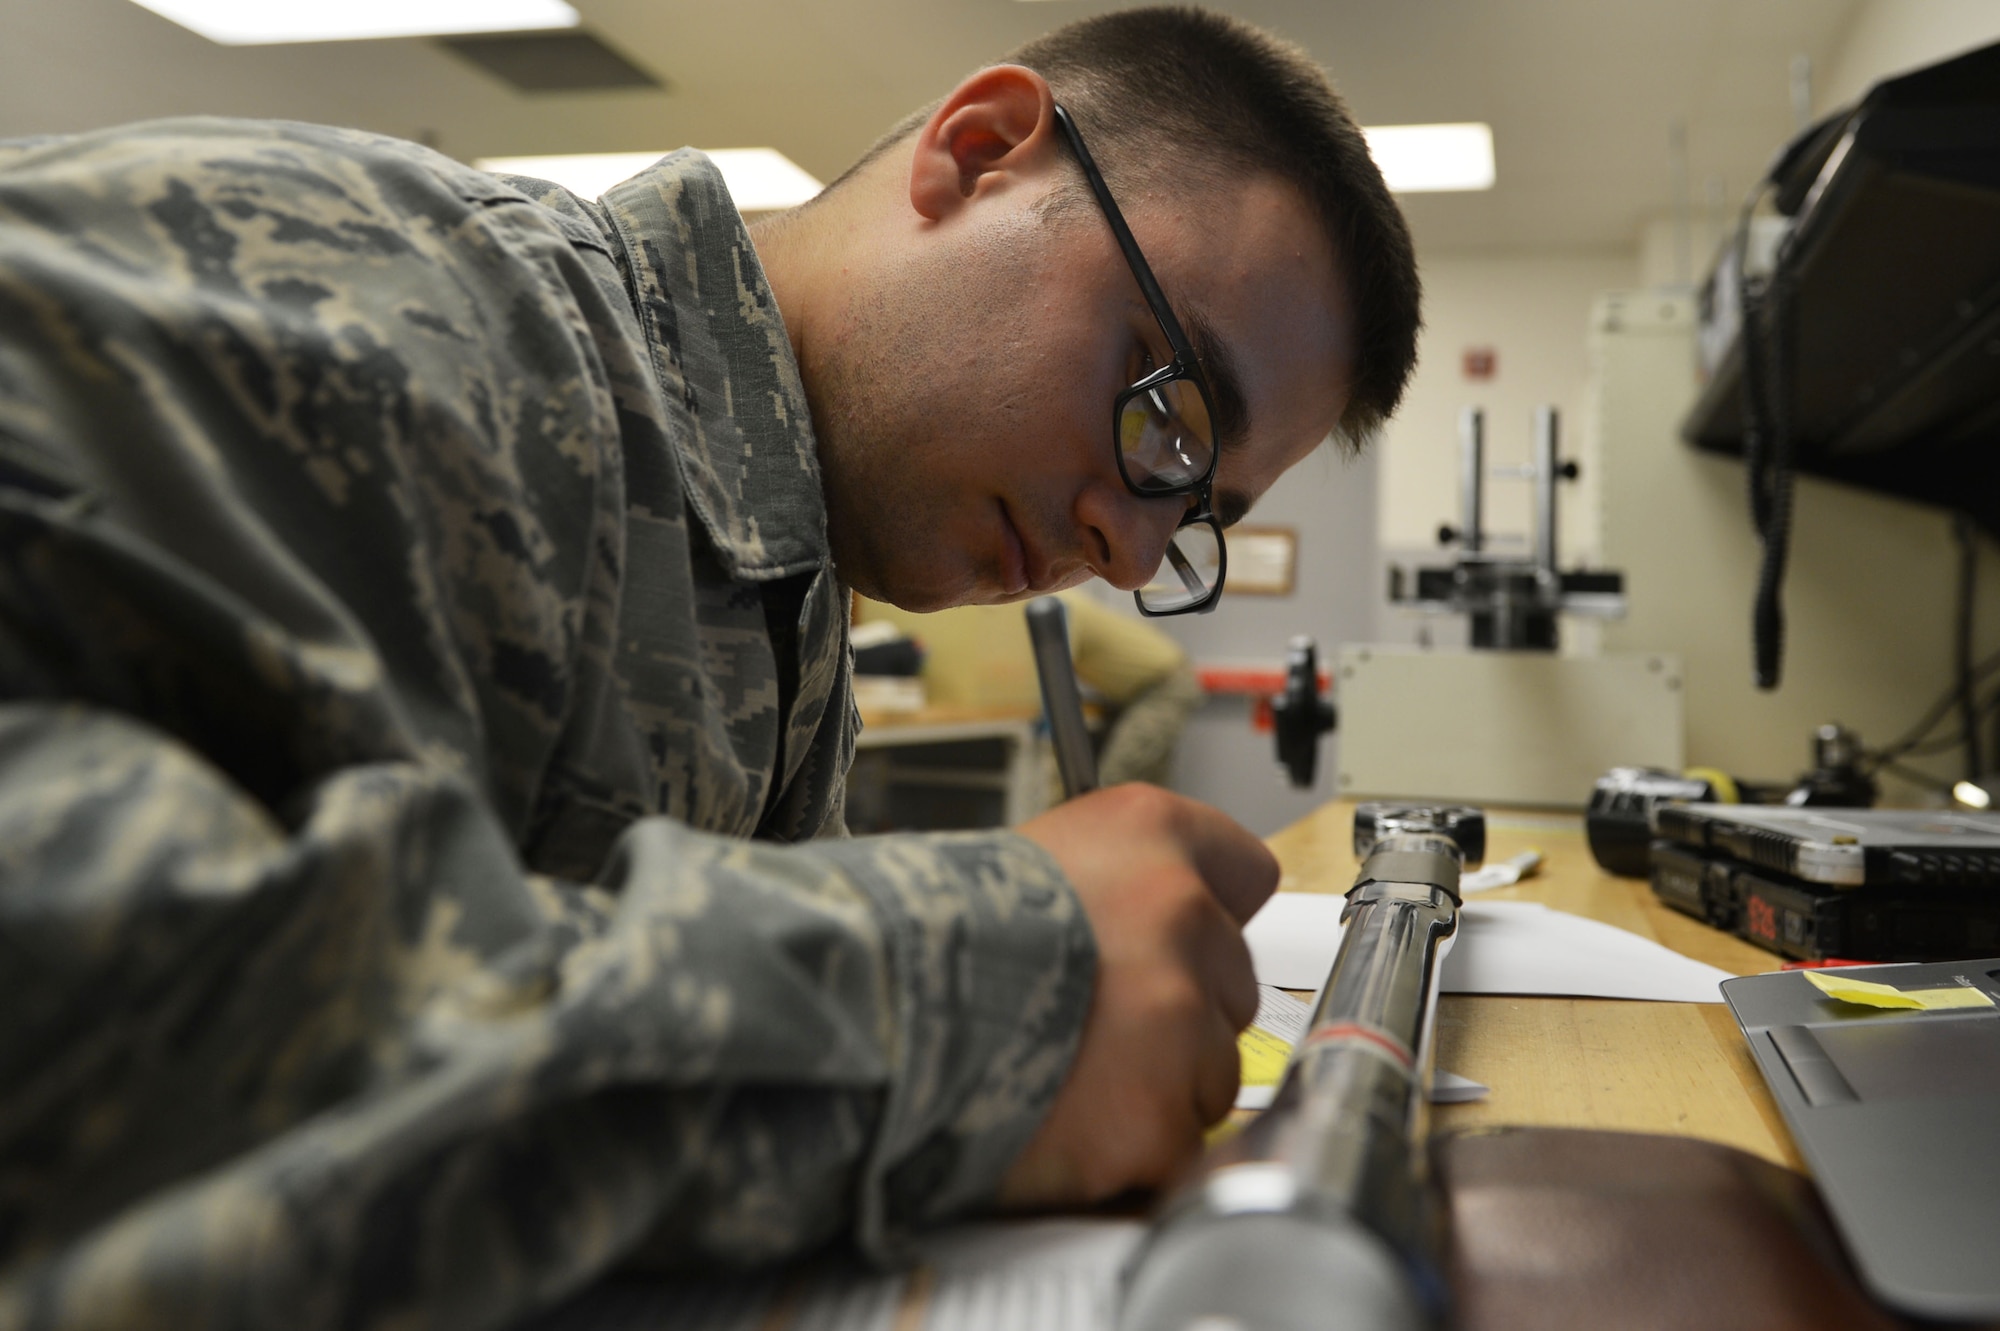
x=996 y=128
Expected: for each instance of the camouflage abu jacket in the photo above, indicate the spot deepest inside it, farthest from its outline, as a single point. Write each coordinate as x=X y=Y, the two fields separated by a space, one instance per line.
x=414 y=598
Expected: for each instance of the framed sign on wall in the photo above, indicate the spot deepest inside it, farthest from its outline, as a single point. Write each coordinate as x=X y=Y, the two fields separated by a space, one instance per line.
x=1263 y=561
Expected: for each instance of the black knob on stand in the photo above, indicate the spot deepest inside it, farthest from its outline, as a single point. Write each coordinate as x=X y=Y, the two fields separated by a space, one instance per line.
x=1299 y=715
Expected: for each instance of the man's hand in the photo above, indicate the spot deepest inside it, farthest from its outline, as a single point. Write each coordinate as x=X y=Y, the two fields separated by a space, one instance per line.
x=1167 y=884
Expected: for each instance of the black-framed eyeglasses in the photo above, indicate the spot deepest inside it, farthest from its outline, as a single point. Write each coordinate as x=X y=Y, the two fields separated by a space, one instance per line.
x=1163 y=432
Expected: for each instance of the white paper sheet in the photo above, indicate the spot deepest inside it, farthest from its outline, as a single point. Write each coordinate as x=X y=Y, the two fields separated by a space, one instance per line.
x=1286 y=1017
x=1293 y=938
x=1503 y=947
x=1448 y=1088
x=1281 y=1014
x=1500 y=873
x=1032 y=1275
x=1524 y=947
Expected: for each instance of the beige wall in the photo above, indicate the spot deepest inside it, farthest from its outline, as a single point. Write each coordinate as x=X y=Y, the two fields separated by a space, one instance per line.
x=1890 y=36
x=1872 y=581
x=1869 y=595
x=1871 y=586
x=1883 y=38
x=1533 y=310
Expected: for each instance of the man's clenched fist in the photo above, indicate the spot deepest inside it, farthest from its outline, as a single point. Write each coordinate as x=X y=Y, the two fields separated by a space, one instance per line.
x=1168 y=884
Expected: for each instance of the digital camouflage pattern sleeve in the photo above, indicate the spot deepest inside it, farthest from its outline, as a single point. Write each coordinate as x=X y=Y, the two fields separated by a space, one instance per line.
x=417 y=649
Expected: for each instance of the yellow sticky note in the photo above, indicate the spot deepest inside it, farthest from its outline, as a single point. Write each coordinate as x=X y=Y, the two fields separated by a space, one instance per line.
x=1264 y=1056
x=1867 y=993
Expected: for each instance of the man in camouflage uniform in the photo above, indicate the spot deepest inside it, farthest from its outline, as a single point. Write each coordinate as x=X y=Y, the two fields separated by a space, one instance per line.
x=424 y=708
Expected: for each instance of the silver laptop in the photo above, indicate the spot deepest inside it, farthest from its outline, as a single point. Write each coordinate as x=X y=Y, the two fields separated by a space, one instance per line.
x=1897 y=1112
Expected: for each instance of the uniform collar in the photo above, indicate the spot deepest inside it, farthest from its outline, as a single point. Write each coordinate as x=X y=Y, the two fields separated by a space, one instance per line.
x=737 y=407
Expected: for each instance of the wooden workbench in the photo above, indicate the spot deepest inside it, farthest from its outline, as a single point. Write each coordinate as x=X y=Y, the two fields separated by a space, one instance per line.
x=1578 y=1062
x=1581 y=1062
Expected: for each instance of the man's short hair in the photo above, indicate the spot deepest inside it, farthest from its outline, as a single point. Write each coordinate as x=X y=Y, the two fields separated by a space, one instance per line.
x=1178 y=97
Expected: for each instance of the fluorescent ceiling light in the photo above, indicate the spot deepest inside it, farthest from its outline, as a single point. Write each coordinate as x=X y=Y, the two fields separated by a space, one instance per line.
x=1419 y=158
x=263 y=22
x=759 y=179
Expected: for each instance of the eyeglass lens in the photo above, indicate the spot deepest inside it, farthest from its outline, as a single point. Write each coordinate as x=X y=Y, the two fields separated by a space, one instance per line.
x=1190 y=570
x=1165 y=442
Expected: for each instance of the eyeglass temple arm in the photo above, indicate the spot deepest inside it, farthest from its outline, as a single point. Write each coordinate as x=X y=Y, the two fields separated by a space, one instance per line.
x=1149 y=286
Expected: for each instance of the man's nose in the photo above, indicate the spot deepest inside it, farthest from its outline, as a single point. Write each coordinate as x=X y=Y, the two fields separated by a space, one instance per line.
x=1125 y=537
